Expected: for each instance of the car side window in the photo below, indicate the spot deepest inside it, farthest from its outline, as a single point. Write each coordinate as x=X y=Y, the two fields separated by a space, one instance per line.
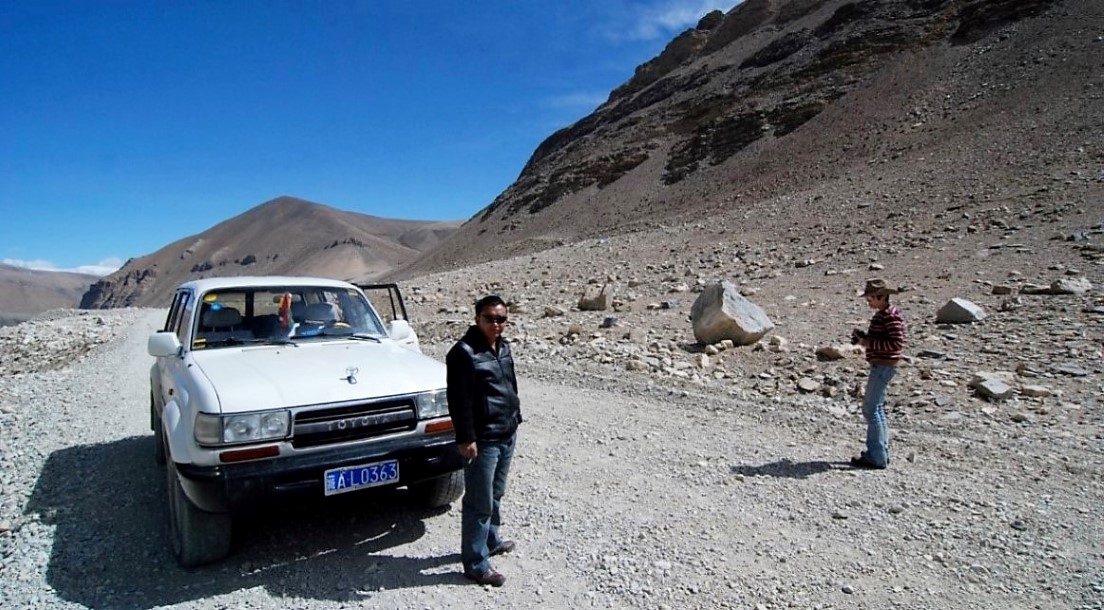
x=174 y=311
x=183 y=314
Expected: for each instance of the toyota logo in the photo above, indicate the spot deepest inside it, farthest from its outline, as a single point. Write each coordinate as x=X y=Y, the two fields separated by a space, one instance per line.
x=350 y=374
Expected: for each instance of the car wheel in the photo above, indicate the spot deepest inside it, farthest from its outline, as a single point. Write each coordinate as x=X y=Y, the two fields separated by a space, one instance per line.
x=197 y=536
x=158 y=436
x=440 y=491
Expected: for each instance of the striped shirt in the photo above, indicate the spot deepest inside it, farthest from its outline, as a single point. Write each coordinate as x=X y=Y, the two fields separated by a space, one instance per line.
x=886 y=336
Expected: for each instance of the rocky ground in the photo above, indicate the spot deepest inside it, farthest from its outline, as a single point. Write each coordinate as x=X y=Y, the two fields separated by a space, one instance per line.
x=652 y=472
x=1046 y=347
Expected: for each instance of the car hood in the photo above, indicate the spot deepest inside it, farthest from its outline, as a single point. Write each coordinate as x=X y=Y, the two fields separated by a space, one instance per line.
x=269 y=377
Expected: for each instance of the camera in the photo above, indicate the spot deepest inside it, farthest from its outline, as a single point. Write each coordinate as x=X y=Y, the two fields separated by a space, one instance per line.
x=856 y=336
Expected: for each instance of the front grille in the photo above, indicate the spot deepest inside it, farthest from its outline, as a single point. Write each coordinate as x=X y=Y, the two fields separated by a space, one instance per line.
x=353 y=422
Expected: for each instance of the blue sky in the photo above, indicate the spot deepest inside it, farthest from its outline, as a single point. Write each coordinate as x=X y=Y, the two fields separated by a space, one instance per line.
x=125 y=126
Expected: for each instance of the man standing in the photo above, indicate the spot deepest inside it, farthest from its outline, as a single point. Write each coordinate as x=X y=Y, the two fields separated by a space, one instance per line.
x=884 y=341
x=485 y=409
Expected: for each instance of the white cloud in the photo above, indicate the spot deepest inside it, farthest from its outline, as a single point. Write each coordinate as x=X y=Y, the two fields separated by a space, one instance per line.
x=37 y=265
x=104 y=267
x=671 y=17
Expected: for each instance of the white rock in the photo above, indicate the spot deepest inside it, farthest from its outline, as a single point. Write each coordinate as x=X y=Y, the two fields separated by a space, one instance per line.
x=720 y=312
x=959 y=311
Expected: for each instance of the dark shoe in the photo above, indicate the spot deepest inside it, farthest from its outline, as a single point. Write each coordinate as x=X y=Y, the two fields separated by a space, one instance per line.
x=865 y=462
x=490 y=577
x=507 y=546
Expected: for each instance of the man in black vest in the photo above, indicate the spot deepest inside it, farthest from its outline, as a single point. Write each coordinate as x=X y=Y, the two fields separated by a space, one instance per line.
x=485 y=409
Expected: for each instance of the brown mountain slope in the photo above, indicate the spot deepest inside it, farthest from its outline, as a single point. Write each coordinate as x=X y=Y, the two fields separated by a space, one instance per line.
x=907 y=102
x=285 y=236
x=26 y=292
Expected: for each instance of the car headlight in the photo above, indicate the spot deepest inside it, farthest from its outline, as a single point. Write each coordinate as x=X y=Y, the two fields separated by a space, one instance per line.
x=241 y=428
x=432 y=404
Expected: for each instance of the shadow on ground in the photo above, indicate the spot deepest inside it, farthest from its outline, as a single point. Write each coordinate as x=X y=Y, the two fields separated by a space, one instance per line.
x=110 y=549
x=789 y=469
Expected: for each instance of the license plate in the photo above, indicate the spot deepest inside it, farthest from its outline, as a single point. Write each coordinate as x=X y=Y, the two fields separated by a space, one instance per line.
x=352 y=478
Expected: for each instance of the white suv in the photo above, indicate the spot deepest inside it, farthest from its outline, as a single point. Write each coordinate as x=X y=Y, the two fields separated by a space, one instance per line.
x=267 y=386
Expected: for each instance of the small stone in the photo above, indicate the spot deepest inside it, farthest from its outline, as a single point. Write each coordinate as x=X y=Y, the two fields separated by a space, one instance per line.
x=1036 y=391
x=808 y=385
x=1069 y=368
x=1071 y=285
x=993 y=389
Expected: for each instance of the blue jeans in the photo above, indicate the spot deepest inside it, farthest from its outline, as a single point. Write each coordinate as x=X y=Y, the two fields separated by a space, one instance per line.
x=484 y=486
x=877 y=435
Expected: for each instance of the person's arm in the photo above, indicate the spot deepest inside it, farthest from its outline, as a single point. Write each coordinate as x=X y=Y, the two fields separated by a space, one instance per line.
x=513 y=383
x=461 y=393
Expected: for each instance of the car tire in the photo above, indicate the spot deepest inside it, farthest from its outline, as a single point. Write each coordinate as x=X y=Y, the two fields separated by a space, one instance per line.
x=440 y=491
x=197 y=536
x=158 y=436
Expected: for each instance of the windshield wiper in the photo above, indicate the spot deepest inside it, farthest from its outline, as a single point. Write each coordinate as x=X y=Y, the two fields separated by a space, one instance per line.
x=277 y=341
x=226 y=341
x=361 y=338
x=346 y=332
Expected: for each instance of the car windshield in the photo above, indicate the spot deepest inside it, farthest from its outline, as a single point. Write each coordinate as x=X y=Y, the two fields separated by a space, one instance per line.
x=237 y=316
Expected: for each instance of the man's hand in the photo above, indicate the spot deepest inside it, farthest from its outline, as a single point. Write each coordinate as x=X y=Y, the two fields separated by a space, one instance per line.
x=468 y=451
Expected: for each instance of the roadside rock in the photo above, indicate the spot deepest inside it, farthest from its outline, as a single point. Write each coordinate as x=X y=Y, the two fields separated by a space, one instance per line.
x=594 y=299
x=720 y=312
x=959 y=311
x=1066 y=285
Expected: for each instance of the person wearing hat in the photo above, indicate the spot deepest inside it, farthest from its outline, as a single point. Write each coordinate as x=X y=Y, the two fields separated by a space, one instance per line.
x=884 y=342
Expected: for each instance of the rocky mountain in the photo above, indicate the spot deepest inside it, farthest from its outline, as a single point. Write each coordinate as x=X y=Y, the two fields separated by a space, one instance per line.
x=26 y=292
x=284 y=236
x=782 y=113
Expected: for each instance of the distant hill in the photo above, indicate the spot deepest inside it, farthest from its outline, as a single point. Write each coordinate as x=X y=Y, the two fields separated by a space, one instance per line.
x=27 y=292
x=782 y=109
x=285 y=236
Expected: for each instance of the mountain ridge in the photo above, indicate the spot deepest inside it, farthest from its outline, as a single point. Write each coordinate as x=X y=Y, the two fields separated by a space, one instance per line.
x=27 y=292
x=776 y=98
x=285 y=236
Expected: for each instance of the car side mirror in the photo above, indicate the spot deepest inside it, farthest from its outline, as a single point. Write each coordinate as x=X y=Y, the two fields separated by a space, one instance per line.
x=401 y=332
x=163 y=343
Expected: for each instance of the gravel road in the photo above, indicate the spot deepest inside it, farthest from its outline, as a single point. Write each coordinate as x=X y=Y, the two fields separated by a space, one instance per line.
x=622 y=495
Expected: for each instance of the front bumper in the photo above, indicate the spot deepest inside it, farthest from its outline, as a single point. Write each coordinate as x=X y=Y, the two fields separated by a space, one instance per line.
x=243 y=487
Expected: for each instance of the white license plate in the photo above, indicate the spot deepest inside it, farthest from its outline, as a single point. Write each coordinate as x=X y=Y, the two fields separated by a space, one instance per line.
x=352 y=478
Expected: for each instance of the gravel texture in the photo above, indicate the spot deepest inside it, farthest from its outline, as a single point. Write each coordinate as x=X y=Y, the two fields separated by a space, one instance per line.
x=626 y=492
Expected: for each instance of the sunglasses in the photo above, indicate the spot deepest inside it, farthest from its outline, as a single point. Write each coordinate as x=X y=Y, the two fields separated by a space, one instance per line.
x=493 y=319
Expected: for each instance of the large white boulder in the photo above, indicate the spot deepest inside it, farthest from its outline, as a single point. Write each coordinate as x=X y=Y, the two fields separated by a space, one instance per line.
x=720 y=312
x=959 y=311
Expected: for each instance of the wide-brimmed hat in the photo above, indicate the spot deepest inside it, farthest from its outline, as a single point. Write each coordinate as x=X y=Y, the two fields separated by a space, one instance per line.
x=877 y=287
